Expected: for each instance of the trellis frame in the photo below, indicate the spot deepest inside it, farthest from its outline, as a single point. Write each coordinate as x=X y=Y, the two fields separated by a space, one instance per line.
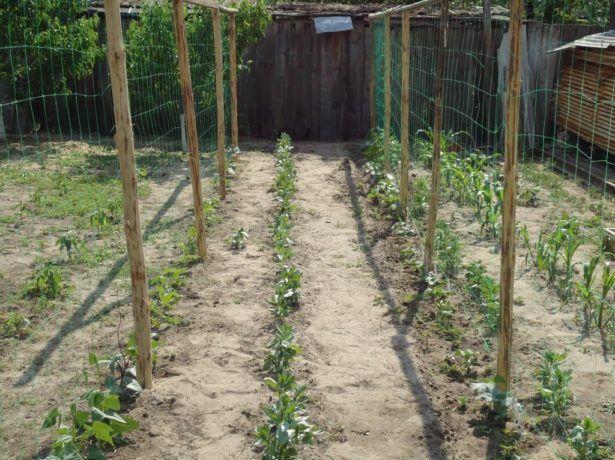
x=513 y=99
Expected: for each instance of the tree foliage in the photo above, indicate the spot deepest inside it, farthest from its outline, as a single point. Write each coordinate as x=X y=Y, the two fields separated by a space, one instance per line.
x=152 y=56
x=46 y=45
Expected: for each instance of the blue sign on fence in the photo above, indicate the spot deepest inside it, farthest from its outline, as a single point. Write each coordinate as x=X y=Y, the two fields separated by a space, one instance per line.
x=326 y=24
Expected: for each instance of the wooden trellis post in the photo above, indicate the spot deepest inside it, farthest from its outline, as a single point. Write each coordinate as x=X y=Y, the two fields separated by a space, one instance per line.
x=405 y=114
x=232 y=44
x=432 y=216
x=387 y=92
x=215 y=16
x=193 y=139
x=124 y=139
x=507 y=270
x=370 y=74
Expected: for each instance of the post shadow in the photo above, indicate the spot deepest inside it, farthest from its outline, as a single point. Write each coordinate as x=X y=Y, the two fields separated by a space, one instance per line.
x=75 y=321
x=432 y=428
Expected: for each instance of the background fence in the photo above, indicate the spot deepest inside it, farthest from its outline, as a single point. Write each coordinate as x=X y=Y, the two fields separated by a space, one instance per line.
x=555 y=86
x=52 y=91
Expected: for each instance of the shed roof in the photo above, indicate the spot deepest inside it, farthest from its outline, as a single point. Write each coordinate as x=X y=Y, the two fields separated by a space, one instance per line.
x=602 y=40
x=305 y=9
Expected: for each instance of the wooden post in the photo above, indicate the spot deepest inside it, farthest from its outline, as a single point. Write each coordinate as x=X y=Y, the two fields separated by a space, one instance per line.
x=432 y=217
x=488 y=106
x=387 y=92
x=507 y=270
x=232 y=44
x=405 y=114
x=369 y=53
x=193 y=140
x=215 y=16
x=124 y=139
x=612 y=21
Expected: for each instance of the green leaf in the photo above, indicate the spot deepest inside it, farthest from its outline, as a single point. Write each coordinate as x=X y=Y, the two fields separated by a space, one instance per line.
x=112 y=402
x=129 y=424
x=51 y=418
x=271 y=383
x=80 y=417
x=92 y=358
x=97 y=414
x=96 y=453
x=102 y=431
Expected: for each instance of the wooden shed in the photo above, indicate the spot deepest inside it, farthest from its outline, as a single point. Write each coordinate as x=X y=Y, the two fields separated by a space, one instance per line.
x=585 y=97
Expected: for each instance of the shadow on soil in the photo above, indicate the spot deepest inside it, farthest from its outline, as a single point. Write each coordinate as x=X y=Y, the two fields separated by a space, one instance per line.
x=76 y=321
x=433 y=431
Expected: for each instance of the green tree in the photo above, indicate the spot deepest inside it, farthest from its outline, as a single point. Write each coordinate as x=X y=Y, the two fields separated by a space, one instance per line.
x=45 y=46
x=152 y=61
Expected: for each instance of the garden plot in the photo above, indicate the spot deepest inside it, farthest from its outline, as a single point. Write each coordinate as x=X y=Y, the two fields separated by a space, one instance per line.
x=64 y=277
x=556 y=327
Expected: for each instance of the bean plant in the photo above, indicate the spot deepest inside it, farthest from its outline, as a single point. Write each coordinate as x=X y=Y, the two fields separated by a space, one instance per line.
x=237 y=239
x=286 y=424
x=554 y=385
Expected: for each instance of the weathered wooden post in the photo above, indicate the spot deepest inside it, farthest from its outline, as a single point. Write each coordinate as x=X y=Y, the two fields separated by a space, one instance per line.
x=193 y=140
x=507 y=270
x=432 y=216
x=124 y=139
x=215 y=16
x=369 y=45
x=405 y=114
x=232 y=44
x=387 y=92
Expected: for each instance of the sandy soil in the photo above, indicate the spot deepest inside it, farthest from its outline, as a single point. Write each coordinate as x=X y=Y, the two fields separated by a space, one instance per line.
x=208 y=404
x=373 y=375
x=362 y=373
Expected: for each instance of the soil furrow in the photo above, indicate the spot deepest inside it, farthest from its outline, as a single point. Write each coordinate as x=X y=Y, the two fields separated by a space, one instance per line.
x=361 y=375
x=208 y=405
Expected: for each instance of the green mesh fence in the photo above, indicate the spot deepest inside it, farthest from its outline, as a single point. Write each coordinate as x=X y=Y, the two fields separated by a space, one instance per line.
x=556 y=86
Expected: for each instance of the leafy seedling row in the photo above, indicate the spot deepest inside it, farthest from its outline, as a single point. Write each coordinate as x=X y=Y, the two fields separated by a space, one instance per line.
x=473 y=179
x=286 y=426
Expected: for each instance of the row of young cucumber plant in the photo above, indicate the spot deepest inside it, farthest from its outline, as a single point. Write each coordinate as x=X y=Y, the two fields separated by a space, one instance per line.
x=94 y=424
x=473 y=180
x=286 y=426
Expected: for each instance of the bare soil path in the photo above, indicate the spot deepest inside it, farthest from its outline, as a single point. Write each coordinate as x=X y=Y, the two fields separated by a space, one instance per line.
x=210 y=399
x=369 y=398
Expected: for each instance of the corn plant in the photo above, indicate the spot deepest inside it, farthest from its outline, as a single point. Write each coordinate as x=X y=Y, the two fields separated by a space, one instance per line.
x=237 y=239
x=608 y=280
x=597 y=309
x=582 y=438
